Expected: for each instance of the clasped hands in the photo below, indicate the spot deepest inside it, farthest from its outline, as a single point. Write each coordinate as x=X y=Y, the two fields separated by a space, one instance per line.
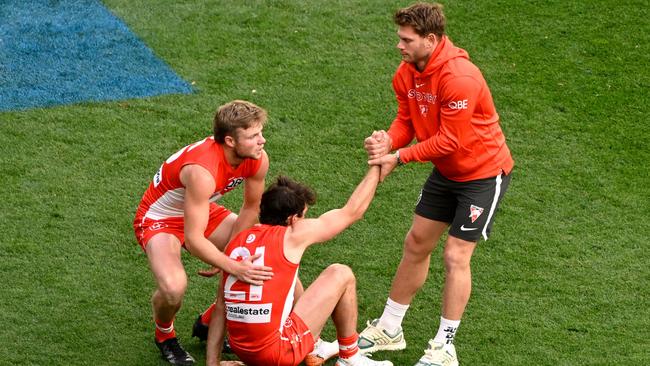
x=378 y=147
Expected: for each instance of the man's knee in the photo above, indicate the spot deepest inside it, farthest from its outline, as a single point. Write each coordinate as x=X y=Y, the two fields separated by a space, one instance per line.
x=417 y=246
x=341 y=273
x=458 y=254
x=172 y=288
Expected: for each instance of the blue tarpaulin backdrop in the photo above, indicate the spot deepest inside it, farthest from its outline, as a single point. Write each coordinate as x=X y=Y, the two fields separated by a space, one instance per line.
x=68 y=51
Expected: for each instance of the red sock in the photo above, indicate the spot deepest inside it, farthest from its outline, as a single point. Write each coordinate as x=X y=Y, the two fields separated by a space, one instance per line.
x=207 y=315
x=348 y=346
x=164 y=331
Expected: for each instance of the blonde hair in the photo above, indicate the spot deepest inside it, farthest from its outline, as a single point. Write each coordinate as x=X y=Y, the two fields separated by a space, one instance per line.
x=236 y=114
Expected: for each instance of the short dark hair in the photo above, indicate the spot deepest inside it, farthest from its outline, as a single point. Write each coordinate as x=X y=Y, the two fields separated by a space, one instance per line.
x=425 y=18
x=284 y=198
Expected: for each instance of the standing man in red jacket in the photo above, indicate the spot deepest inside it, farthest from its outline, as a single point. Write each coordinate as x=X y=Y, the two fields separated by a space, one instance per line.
x=445 y=104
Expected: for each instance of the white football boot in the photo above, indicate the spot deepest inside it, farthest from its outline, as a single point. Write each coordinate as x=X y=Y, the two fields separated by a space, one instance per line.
x=439 y=354
x=376 y=338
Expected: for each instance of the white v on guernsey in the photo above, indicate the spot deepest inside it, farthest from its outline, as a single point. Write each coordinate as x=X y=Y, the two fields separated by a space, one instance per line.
x=165 y=197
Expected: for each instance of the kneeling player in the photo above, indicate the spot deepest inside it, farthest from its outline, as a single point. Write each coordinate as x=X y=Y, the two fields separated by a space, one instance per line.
x=263 y=328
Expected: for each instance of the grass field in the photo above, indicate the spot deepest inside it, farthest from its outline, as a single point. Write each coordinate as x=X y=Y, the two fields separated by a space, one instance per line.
x=564 y=280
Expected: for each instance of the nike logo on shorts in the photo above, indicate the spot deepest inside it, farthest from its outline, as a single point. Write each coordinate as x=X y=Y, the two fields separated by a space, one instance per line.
x=463 y=228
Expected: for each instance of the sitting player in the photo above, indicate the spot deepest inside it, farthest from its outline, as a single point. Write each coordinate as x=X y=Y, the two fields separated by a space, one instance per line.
x=263 y=327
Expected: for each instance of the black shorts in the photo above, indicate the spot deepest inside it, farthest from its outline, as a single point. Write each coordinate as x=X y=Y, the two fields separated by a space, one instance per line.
x=468 y=207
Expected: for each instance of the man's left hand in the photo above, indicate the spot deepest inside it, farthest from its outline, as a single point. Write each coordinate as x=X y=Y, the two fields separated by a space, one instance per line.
x=387 y=164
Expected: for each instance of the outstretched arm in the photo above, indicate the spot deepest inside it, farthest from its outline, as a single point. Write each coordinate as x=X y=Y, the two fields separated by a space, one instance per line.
x=309 y=231
x=387 y=163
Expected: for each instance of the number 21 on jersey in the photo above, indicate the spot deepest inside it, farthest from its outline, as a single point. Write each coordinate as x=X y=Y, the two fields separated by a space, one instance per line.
x=254 y=291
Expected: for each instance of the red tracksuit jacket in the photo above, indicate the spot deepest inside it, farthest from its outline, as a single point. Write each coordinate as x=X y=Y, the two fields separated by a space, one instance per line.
x=448 y=108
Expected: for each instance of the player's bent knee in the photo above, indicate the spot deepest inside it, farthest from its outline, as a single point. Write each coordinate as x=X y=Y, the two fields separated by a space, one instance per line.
x=341 y=272
x=172 y=289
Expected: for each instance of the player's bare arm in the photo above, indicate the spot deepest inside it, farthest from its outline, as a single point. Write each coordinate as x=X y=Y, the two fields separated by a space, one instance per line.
x=217 y=334
x=310 y=231
x=216 y=331
x=199 y=186
x=253 y=190
x=387 y=163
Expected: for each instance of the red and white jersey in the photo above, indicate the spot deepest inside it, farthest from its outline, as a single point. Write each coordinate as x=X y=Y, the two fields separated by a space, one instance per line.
x=165 y=196
x=255 y=314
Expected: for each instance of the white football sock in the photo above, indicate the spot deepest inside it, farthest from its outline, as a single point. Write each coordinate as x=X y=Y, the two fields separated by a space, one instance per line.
x=446 y=331
x=393 y=315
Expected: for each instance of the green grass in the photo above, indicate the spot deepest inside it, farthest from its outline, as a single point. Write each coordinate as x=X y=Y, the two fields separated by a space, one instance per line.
x=563 y=280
